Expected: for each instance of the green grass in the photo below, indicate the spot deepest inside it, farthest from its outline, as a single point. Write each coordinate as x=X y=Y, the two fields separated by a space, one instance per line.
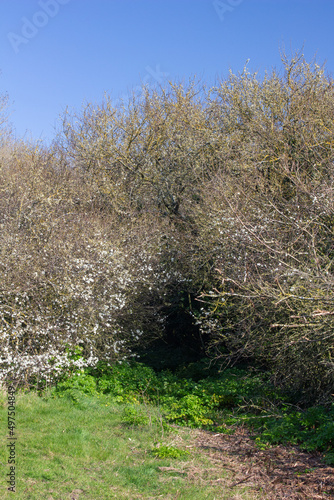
x=94 y=448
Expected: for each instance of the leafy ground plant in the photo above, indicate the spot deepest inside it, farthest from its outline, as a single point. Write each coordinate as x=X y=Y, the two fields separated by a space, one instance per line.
x=170 y=452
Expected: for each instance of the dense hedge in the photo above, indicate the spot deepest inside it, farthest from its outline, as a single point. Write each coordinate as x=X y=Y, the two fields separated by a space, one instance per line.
x=223 y=195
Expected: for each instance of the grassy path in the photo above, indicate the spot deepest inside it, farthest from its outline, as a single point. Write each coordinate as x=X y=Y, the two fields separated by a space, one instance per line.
x=87 y=451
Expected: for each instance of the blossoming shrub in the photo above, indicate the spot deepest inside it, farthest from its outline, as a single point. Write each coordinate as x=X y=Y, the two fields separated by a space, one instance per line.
x=77 y=286
x=271 y=212
x=108 y=235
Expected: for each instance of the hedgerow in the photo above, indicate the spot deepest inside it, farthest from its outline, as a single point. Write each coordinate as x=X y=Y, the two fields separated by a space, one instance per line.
x=214 y=205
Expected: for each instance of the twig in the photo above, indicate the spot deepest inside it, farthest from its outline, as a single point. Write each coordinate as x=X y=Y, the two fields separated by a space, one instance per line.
x=292 y=325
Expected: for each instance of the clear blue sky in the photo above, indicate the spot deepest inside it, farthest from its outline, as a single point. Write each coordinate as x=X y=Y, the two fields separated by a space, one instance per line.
x=58 y=53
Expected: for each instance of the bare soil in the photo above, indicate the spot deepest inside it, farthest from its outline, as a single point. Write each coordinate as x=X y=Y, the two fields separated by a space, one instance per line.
x=279 y=472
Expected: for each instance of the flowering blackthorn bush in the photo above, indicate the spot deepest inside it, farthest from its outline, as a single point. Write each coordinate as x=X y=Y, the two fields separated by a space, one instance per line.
x=222 y=195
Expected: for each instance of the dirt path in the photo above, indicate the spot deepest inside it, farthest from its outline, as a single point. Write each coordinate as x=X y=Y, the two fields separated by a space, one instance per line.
x=278 y=473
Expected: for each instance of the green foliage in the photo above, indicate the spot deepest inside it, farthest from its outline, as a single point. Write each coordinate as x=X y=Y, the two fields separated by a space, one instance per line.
x=170 y=452
x=189 y=411
x=134 y=416
x=127 y=380
x=74 y=352
x=76 y=386
x=312 y=430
